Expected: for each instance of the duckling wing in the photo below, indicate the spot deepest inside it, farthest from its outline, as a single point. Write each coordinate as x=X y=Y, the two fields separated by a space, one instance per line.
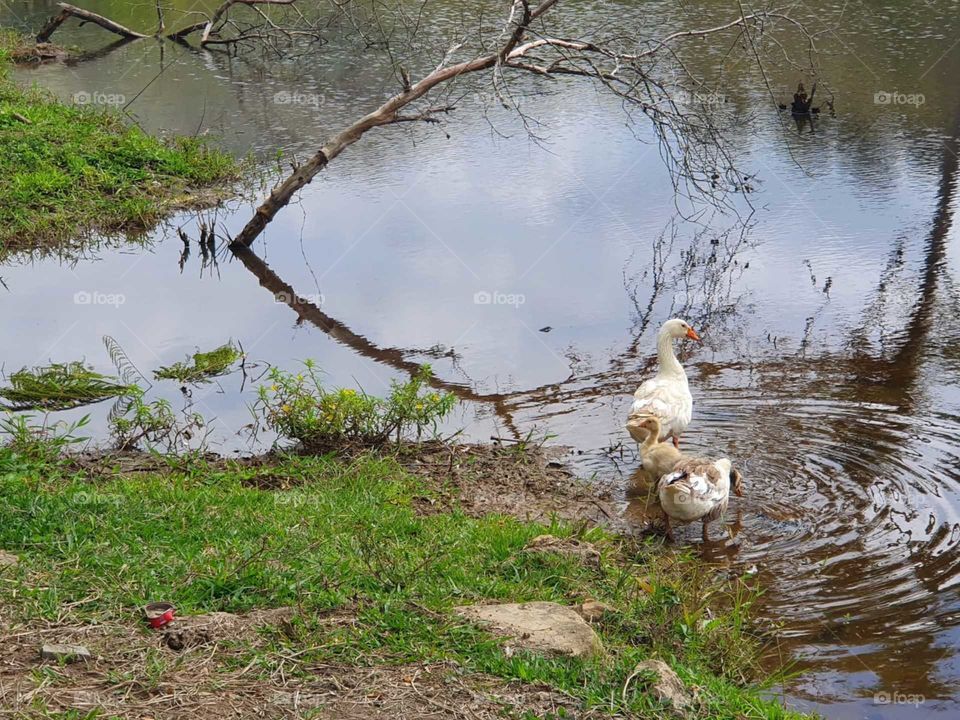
x=701 y=478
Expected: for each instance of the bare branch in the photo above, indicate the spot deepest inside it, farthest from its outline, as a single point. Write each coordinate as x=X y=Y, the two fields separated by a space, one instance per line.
x=221 y=11
x=211 y=26
x=691 y=141
x=68 y=11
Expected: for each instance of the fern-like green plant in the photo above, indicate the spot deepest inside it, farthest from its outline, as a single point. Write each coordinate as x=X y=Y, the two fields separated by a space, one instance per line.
x=61 y=386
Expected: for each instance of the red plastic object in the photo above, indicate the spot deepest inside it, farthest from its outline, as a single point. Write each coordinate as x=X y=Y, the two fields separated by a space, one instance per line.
x=159 y=614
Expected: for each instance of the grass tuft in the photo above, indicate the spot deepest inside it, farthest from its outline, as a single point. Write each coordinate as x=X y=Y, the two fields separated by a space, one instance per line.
x=69 y=171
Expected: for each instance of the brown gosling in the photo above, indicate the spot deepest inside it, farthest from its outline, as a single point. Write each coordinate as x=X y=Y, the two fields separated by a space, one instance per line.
x=658 y=457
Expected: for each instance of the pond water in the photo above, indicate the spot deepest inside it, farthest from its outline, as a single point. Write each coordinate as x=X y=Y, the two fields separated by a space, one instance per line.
x=831 y=360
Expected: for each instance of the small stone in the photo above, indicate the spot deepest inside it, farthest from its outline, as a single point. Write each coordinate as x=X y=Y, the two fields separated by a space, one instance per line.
x=572 y=547
x=667 y=687
x=65 y=653
x=594 y=610
x=542 y=626
x=8 y=560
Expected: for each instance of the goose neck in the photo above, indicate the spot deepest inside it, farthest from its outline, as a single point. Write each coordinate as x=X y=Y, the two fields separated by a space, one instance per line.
x=669 y=365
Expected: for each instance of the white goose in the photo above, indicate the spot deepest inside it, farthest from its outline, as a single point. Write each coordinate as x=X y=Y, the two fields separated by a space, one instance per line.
x=697 y=490
x=666 y=396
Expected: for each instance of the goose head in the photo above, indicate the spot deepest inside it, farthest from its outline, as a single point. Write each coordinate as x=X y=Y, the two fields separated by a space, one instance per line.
x=678 y=328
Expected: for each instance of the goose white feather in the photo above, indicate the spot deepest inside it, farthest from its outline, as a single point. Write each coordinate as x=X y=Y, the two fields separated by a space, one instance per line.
x=666 y=396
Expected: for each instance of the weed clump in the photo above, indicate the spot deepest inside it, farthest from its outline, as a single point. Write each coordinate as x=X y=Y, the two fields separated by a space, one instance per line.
x=155 y=426
x=298 y=407
x=203 y=368
x=30 y=443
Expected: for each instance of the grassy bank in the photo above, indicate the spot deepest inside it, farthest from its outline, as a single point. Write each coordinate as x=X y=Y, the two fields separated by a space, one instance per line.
x=372 y=576
x=68 y=170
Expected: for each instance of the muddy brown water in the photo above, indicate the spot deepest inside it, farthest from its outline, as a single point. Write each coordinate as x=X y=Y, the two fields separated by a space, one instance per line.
x=832 y=341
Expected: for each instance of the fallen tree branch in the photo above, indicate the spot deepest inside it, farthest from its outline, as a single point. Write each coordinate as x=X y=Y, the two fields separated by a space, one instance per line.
x=209 y=26
x=67 y=11
x=521 y=15
x=690 y=142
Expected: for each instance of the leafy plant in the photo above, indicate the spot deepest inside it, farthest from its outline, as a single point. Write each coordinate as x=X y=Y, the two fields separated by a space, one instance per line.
x=203 y=367
x=297 y=406
x=155 y=425
x=38 y=443
x=62 y=386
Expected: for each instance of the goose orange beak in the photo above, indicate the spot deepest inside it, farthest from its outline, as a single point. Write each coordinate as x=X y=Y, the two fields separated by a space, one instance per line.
x=692 y=334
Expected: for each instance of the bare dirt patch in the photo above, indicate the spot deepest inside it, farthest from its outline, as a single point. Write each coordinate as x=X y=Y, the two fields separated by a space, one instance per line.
x=530 y=484
x=134 y=673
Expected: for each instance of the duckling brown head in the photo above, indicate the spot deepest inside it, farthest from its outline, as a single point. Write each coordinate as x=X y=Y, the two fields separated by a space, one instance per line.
x=651 y=426
x=737 y=479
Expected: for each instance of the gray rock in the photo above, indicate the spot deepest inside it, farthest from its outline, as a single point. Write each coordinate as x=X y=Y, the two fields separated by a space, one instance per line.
x=541 y=626
x=65 y=653
x=667 y=687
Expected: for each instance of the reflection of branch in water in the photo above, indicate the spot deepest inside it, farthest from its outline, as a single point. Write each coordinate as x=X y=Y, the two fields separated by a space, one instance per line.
x=706 y=300
x=891 y=376
x=709 y=267
x=662 y=249
x=394 y=357
x=896 y=377
x=716 y=253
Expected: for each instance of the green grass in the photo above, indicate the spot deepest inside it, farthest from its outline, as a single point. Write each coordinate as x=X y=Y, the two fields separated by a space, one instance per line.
x=345 y=536
x=72 y=170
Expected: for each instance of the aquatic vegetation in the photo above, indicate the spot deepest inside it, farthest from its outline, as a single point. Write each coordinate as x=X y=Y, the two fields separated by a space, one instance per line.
x=62 y=386
x=298 y=407
x=203 y=367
